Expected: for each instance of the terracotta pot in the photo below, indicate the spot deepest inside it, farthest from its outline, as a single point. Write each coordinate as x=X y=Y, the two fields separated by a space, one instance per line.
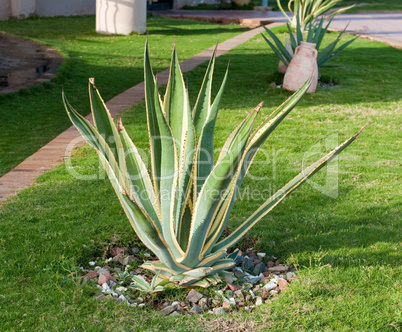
x=302 y=66
x=282 y=68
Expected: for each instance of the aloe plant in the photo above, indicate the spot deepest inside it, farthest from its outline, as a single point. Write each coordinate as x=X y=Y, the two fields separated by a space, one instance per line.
x=181 y=210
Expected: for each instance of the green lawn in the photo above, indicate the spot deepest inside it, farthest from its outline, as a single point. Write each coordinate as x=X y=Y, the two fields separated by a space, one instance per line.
x=31 y=118
x=347 y=249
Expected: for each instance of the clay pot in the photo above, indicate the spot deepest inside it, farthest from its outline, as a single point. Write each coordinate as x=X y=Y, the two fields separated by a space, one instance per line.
x=282 y=68
x=302 y=66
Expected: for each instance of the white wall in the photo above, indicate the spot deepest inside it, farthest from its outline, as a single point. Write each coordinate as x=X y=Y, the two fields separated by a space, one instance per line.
x=22 y=8
x=25 y=8
x=5 y=9
x=65 y=7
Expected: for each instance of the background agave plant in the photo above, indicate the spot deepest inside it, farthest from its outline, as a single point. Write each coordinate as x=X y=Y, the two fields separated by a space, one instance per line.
x=308 y=11
x=180 y=211
x=315 y=33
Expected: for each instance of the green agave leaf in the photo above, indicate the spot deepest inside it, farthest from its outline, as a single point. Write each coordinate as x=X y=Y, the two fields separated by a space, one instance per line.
x=274 y=200
x=205 y=148
x=208 y=200
x=293 y=41
x=141 y=283
x=94 y=139
x=141 y=184
x=105 y=125
x=203 y=104
x=178 y=114
x=257 y=138
x=164 y=158
x=329 y=52
x=280 y=50
x=155 y=280
x=144 y=226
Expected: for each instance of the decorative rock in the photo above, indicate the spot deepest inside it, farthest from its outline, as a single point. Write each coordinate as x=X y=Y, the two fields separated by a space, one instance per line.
x=239 y=295
x=135 y=250
x=146 y=254
x=122 y=298
x=278 y=269
x=127 y=260
x=259 y=268
x=167 y=310
x=176 y=303
x=270 y=264
x=239 y=273
x=232 y=301
x=252 y=294
x=229 y=293
x=140 y=299
x=121 y=289
x=226 y=305
x=141 y=305
x=228 y=278
x=92 y=274
x=261 y=255
x=174 y=313
x=193 y=296
x=196 y=309
x=247 y=264
x=116 y=251
x=105 y=278
x=102 y=270
x=219 y=311
x=290 y=275
x=203 y=303
x=258 y=301
x=282 y=283
x=239 y=259
x=92 y=263
x=269 y=286
x=105 y=287
x=251 y=279
x=233 y=287
x=112 y=284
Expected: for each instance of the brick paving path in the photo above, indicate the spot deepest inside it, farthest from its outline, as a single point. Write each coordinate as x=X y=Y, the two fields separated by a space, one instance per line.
x=53 y=153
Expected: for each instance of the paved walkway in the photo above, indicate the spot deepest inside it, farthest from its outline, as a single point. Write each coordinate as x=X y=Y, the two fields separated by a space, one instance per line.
x=53 y=153
x=382 y=27
x=386 y=28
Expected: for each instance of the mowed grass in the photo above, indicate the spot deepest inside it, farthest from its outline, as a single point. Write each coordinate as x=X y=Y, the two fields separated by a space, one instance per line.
x=31 y=118
x=347 y=249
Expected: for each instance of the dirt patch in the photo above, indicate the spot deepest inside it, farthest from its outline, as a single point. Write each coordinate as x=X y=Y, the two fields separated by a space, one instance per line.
x=24 y=63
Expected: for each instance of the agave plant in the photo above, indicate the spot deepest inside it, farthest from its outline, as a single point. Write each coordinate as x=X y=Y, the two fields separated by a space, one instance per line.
x=315 y=34
x=154 y=287
x=309 y=10
x=182 y=209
